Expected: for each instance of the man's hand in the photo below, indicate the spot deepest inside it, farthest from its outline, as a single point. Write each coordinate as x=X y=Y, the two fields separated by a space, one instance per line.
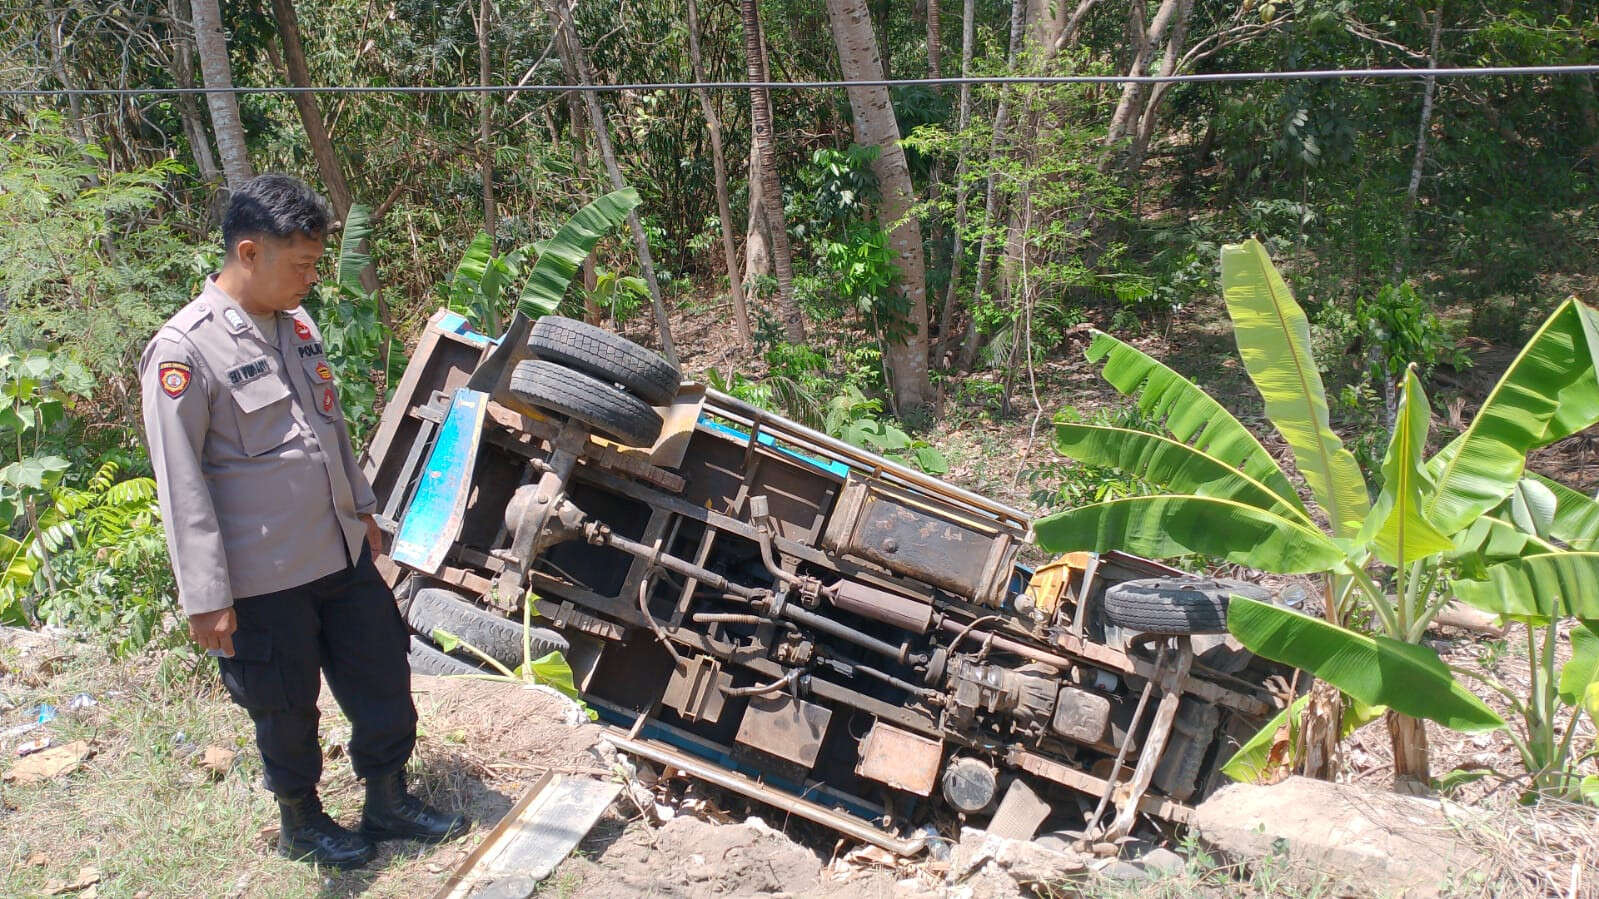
x=374 y=535
x=214 y=630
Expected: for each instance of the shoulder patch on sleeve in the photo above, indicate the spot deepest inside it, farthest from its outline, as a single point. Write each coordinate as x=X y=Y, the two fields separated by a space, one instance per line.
x=175 y=377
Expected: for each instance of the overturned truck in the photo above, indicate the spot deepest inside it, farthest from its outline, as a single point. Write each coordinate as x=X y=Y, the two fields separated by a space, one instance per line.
x=787 y=616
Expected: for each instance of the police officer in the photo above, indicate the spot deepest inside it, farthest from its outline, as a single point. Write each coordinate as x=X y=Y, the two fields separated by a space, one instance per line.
x=268 y=519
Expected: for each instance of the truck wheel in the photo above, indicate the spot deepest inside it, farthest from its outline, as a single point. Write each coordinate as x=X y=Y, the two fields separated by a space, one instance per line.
x=1167 y=605
x=497 y=637
x=620 y=416
x=425 y=658
x=606 y=356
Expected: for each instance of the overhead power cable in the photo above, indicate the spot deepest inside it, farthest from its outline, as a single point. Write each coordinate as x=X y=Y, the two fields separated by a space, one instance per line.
x=1205 y=78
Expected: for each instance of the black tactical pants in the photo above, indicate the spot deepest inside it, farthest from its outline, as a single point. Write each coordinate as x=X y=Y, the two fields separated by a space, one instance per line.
x=344 y=625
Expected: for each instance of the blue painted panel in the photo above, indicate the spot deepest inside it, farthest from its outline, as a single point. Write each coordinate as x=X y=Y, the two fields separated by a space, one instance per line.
x=432 y=520
x=455 y=323
x=836 y=468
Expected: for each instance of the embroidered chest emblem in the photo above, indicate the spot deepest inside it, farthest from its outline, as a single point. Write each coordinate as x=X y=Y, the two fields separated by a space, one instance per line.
x=323 y=372
x=249 y=371
x=302 y=330
x=327 y=399
x=174 y=378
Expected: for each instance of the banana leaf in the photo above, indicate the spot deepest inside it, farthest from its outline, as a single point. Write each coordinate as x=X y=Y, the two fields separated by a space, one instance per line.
x=1274 y=340
x=1582 y=669
x=1375 y=670
x=1532 y=507
x=1576 y=518
x=1548 y=393
x=1537 y=588
x=562 y=255
x=475 y=261
x=1490 y=541
x=1258 y=757
x=1395 y=528
x=352 y=257
x=1189 y=413
x=1175 y=467
x=1166 y=526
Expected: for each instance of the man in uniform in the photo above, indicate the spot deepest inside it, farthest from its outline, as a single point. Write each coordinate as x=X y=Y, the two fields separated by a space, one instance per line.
x=269 y=523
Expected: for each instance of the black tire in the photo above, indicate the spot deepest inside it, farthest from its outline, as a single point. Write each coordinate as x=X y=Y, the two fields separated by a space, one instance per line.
x=498 y=637
x=606 y=356
x=620 y=416
x=425 y=658
x=1168 y=605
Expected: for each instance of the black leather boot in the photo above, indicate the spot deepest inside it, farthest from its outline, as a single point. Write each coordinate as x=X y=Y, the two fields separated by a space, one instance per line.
x=392 y=813
x=308 y=834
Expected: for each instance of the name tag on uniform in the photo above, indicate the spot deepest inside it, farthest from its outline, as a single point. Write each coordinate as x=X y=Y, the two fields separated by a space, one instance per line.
x=249 y=371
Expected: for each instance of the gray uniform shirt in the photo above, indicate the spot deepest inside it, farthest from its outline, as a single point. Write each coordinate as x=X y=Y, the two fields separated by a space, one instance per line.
x=259 y=486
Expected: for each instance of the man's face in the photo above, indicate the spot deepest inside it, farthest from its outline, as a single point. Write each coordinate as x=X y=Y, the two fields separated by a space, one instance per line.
x=282 y=269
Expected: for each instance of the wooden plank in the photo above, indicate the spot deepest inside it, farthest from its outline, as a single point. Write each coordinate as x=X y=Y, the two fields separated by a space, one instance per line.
x=540 y=830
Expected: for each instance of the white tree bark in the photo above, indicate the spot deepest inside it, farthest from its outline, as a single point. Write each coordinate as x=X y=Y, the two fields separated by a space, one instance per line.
x=223 y=103
x=875 y=125
x=724 y=211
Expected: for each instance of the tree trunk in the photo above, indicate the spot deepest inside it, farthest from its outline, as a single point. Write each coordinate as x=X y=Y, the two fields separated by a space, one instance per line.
x=946 y=320
x=1408 y=737
x=485 y=119
x=183 y=75
x=224 y=104
x=1428 y=91
x=1125 y=120
x=934 y=44
x=874 y=124
x=771 y=188
x=735 y=281
x=566 y=39
x=757 y=233
x=1018 y=24
x=316 y=134
x=1168 y=66
x=327 y=162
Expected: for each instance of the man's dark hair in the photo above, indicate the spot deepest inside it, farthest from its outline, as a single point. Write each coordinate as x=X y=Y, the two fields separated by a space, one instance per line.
x=274 y=206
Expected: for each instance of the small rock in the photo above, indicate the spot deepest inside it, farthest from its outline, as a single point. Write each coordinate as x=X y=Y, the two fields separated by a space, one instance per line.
x=217 y=760
x=1105 y=850
x=37 y=860
x=1162 y=861
x=1120 y=870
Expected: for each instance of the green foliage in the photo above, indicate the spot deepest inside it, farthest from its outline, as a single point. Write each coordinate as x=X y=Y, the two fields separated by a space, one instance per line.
x=858 y=419
x=1224 y=499
x=550 y=669
x=1400 y=327
x=482 y=279
x=109 y=557
x=1058 y=485
x=81 y=261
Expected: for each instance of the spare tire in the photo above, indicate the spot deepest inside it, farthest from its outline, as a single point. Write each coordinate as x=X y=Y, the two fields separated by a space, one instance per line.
x=1176 y=605
x=606 y=356
x=425 y=658
x=607 y=410
x=494 y=635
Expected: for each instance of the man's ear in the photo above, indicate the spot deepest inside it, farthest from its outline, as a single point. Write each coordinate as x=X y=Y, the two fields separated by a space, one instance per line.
x=247 y=252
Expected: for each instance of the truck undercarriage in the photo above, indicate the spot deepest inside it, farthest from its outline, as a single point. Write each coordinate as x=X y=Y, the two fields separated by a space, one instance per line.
x=787 y=616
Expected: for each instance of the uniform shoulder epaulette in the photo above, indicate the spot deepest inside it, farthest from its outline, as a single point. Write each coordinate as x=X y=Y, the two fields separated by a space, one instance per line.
x=189 y=317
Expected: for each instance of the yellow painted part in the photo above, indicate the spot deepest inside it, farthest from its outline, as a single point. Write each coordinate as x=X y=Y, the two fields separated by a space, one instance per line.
x=1050 y=582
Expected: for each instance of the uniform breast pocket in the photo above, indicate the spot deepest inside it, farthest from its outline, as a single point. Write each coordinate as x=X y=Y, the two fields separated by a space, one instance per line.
x=261 y=409
x=323 y=392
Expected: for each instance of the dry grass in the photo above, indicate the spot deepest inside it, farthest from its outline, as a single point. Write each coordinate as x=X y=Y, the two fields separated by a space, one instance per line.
x=148 y=817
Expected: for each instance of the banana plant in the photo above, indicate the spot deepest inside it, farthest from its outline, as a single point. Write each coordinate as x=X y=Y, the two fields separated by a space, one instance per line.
x=482 y=279
x=1228 y=498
